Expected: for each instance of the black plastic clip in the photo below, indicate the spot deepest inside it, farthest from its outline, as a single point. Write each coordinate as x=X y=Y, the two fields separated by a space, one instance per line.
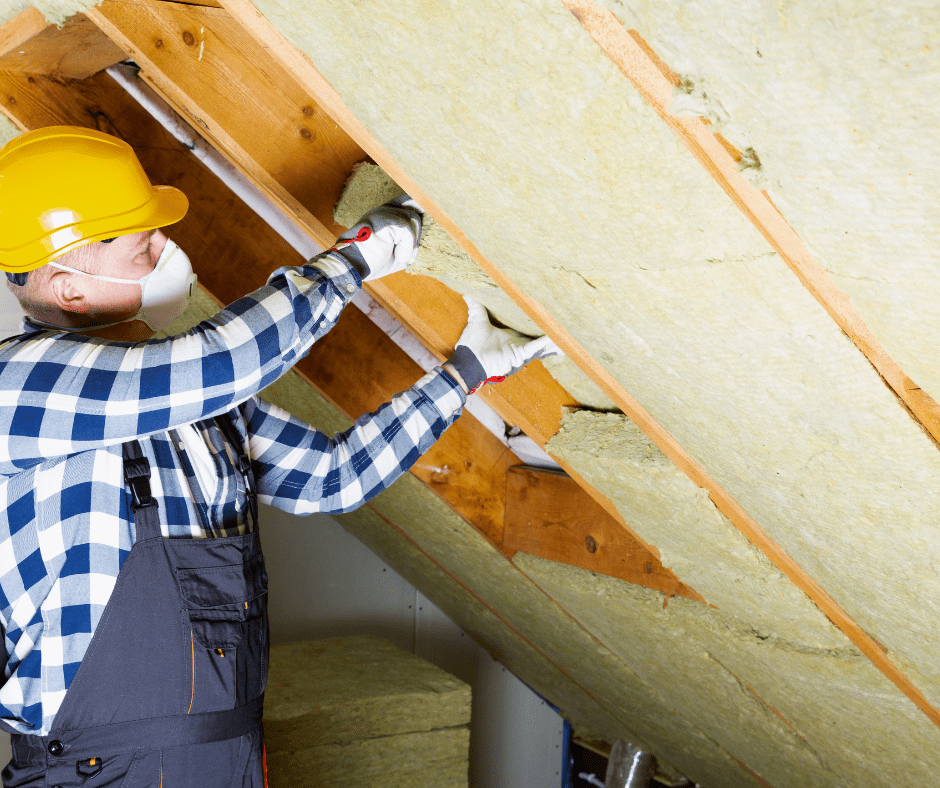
x=89 y=768
x=137 y=476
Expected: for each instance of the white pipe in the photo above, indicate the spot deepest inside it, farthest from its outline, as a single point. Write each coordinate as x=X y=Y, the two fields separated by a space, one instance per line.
x=591 y=779
x=287 y=227
x=251 y=195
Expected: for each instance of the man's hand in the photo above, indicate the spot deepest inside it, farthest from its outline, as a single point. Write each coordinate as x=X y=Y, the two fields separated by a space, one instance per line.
x=486 y=354
x=385 y=240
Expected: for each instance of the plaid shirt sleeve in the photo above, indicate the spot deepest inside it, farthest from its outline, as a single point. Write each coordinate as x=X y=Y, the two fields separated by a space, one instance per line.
x=302 y=470
x=62 y=393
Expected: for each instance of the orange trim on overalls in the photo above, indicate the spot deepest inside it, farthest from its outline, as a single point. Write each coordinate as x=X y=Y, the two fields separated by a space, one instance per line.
x=192 y=696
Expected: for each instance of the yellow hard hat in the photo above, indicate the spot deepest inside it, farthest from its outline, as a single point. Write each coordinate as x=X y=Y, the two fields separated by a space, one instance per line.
x=62 y=187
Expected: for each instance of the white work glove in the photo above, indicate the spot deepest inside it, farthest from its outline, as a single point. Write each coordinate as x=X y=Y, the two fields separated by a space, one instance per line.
x=486 y=354
x=384 y=241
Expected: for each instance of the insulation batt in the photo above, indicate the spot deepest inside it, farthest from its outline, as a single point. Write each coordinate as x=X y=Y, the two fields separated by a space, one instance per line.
x=839 y=101
x=526 y=134
x=55 y=11
x=706 y=662
x=665 y=508
x=439 y=256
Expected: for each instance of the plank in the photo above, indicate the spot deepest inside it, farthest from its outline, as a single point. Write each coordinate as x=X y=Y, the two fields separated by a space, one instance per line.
x=25 y=25
x=76 y=50
x=646 y=73
x=548 y=515
x=221 y=80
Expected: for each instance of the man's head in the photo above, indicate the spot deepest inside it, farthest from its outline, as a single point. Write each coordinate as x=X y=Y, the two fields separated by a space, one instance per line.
x=73 y=198
x=74 y=297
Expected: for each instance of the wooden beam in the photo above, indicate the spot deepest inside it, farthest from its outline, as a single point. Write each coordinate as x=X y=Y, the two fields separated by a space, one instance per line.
x=78 y=49
x=548 y=515
x=220 y=79
x=637 y=64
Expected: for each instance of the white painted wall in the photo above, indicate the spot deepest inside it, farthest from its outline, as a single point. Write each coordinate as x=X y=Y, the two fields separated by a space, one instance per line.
x=325 y=583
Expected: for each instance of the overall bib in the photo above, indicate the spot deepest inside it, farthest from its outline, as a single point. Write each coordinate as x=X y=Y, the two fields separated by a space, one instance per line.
x=170 y=690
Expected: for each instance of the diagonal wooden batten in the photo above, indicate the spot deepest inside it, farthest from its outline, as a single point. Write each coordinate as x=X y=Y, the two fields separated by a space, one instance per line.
x=655 y=81
x=78 y=49
x=648 y=74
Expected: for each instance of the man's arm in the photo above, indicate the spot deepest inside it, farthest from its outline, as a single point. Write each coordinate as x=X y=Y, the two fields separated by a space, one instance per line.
x=301 y=470
x=64 y=393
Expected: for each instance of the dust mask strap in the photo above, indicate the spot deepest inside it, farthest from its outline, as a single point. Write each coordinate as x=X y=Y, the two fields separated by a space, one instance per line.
x=164 y=292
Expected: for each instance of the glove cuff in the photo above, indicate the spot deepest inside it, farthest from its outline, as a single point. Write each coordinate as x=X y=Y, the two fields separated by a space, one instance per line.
x=466 y=363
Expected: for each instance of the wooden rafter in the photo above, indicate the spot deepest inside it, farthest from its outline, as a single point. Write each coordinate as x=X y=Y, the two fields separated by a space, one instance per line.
x=78 y=49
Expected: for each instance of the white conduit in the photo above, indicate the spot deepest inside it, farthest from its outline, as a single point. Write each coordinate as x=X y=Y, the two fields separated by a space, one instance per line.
x=251 y=195
x=285 y=226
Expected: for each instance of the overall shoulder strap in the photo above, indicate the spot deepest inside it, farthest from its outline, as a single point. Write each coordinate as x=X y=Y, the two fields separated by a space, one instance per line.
x=226 y=422
x=143 y=505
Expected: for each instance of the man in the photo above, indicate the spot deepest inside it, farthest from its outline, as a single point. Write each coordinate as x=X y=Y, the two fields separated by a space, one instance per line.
x=132 y=585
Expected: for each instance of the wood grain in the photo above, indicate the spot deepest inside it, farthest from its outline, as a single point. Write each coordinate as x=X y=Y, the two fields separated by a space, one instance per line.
x=232 y=92
x=548 y=515
x=78 y=49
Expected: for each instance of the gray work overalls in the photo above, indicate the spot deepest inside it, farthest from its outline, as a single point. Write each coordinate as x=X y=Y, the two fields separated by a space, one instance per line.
x=170 y=690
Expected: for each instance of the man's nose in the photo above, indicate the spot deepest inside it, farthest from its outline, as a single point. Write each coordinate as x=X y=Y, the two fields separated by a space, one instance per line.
x=157 y=243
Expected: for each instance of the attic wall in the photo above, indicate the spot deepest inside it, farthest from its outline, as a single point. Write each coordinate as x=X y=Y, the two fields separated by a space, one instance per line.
x=551 y=163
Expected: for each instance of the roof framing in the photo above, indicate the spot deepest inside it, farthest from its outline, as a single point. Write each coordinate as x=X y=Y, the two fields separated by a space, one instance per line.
x=302 y=168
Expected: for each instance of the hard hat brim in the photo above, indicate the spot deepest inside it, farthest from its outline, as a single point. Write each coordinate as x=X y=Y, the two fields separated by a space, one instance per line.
x=167 y=206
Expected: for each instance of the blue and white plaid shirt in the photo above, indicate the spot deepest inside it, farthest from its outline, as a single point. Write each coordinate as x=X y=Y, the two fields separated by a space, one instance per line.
x=68 y=402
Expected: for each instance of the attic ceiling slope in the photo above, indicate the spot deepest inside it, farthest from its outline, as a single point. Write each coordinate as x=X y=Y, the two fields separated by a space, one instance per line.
x=553 y=166
x=837 y=101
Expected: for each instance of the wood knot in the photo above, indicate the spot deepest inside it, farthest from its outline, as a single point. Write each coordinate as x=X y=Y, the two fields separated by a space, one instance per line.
x=158 y=43
x=189 y=39
x=591 y=544
x=648 y=568
x=309 y=111
x=306 y=134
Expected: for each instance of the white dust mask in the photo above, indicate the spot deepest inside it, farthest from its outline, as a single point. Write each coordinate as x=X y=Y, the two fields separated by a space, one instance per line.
x=164 y=292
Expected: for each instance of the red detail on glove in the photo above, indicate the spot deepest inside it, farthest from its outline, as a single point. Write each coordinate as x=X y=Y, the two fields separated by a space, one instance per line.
x=364 y=234
x=494 y=379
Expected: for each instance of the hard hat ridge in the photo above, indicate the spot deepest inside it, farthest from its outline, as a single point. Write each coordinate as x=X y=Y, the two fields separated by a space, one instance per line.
x=63 y=187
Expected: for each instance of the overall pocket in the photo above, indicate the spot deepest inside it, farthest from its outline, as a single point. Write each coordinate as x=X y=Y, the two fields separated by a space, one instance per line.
x=225 y=610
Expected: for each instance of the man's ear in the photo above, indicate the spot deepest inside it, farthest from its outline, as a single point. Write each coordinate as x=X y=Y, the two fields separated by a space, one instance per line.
x=66 y=292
